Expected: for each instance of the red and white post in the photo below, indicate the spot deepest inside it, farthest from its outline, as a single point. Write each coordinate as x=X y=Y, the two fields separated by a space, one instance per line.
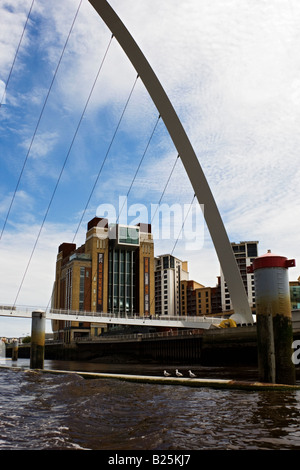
x=273 y=318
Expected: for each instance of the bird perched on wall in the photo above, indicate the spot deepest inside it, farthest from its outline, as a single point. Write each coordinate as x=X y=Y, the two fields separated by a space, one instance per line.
x=166 y=374
x=179 y=374
x=191 y=374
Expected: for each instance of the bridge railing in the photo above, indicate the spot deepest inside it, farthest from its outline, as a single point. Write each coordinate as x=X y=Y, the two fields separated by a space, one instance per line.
x=137 y=316
x=136 y=336
x=14 y=310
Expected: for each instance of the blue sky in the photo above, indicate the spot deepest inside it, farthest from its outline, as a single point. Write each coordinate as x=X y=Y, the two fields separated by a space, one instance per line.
x=232 y=72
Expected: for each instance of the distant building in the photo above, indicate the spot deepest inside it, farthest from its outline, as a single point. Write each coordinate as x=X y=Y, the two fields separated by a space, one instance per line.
x=244 y=252
x=295 y=294
x=169 y=272
x=216 y=300
x=191 y=297
x=112 y=272
x=197 y=299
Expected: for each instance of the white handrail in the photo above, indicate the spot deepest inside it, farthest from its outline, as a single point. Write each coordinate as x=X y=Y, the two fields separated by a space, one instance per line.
x=109 y=315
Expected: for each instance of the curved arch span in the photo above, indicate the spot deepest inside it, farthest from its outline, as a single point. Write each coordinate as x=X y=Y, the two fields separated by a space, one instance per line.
x=189 y=159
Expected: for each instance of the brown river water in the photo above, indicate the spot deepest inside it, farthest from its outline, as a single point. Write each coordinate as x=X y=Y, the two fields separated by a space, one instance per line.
x=41 y=411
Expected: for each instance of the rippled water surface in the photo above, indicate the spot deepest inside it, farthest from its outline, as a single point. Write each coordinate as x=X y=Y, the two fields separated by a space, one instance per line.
x=48 y=411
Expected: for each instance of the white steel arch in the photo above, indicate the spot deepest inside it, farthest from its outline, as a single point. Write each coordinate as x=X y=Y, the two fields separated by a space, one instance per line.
x=189 y=159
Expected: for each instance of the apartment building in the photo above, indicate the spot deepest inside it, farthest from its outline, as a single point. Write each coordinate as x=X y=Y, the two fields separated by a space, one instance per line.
x=169 y=272
x=244 y=253
x=196 y=299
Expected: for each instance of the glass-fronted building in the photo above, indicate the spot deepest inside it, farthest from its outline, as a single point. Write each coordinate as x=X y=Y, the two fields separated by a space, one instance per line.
x=112 y=272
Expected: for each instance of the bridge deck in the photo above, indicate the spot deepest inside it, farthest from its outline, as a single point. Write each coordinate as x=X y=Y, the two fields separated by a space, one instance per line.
x=109 y=318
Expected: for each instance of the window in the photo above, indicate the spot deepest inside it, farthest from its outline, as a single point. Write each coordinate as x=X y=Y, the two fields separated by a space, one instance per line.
x=69 y=289
x=252 y=250
x=129 y=235
x=121 y=285
x=81 y=288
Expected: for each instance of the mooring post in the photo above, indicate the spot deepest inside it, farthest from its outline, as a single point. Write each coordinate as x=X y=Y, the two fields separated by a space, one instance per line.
x=15 y=349
x=37 y=350
x=273 y=318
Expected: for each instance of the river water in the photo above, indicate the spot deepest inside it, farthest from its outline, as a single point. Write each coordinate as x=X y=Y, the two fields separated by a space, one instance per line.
x=42 y=411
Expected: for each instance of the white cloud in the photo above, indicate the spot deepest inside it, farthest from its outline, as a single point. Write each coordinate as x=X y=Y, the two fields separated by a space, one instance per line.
x=24 y=201
x=35 y=277
x=2 y=93
x=16 y=248
x=13 y=19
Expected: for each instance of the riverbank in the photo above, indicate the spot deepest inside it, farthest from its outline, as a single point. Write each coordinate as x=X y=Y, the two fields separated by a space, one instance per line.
x=209 y=347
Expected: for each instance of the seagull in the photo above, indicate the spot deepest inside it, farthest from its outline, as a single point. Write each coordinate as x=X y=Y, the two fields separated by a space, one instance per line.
x=178 y=373
x=191 y=374
x=166 y=374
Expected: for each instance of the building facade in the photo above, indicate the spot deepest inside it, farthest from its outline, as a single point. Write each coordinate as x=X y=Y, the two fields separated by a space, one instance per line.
x=295 y=294
x=197 y=299
x=191 y=297
x=112 y=272
x=169 y=272
x=244 y=252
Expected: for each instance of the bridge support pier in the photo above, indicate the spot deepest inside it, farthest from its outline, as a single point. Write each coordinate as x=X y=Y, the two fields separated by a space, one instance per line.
x=15 y=350
x=37 y=350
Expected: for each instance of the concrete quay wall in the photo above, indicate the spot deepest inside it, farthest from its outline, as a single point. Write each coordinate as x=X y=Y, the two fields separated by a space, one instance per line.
x=211 y=347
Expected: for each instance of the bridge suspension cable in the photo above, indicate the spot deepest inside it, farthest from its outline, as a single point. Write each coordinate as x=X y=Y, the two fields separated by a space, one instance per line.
x=39 y=119
x=16 y=53
x=106 y=156
x=111 y=142
x=183 y=223
x=139 y=165
x=135 y=175
x=165 y=188
x=62 y=169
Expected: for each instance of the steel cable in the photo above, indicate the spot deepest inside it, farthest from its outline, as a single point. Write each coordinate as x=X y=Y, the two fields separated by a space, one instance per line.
x=39 y=120
x=16 y=54
x=139 y=165
x=105 y=158
x=61 y=172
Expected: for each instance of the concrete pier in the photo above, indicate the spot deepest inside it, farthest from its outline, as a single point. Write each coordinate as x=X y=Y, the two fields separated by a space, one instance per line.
x=37 y=351
x=273 y=318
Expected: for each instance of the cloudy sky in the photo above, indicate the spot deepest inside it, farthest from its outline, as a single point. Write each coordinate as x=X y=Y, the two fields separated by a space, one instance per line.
x=70 y=146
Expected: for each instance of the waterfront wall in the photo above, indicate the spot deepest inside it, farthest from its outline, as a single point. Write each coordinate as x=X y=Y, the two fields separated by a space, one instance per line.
x=210 y=347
